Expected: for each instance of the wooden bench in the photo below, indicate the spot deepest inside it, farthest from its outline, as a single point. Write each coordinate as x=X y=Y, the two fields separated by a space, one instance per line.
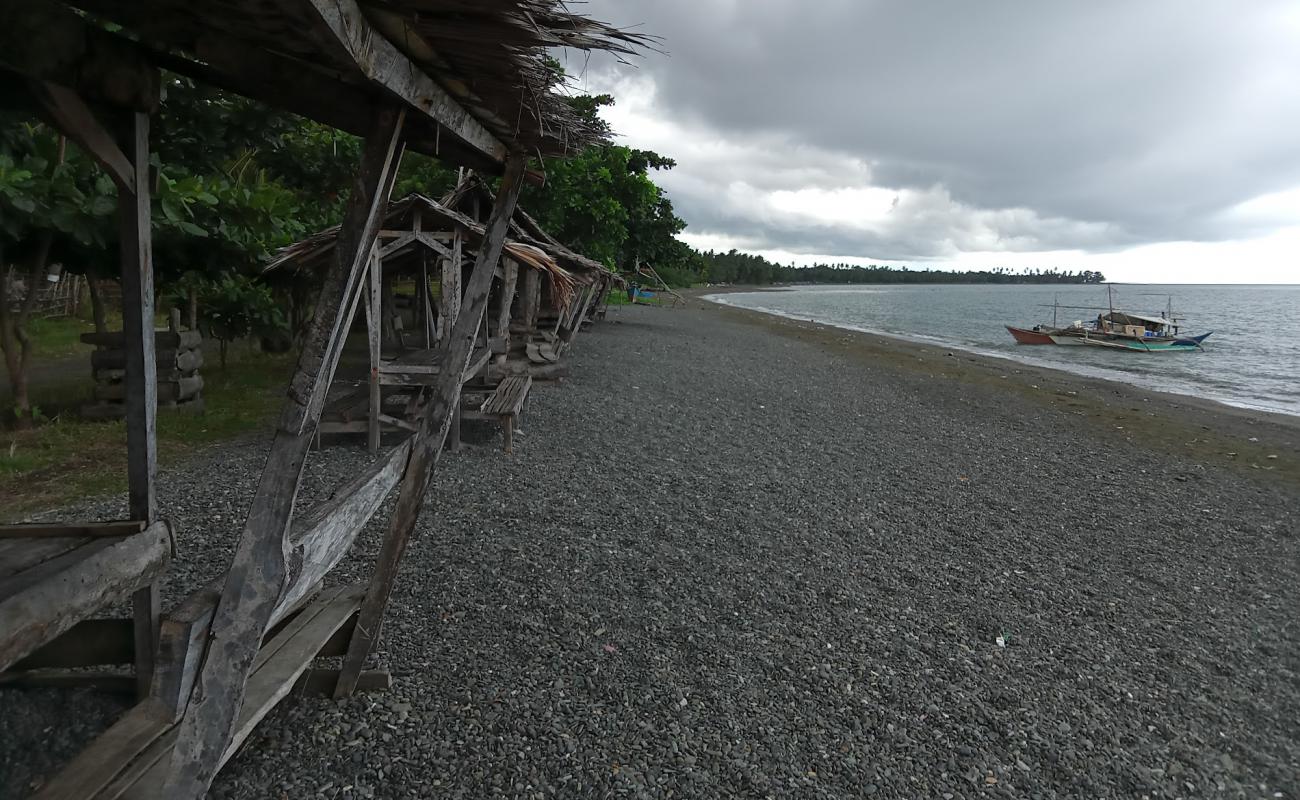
x=505 y=405
x=131 y=758
x=54 y=576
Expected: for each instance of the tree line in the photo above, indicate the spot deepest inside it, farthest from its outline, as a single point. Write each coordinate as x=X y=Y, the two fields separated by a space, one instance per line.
x=734 y=266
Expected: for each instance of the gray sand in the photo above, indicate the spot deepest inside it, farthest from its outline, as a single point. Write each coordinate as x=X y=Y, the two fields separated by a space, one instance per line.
x=728 y=562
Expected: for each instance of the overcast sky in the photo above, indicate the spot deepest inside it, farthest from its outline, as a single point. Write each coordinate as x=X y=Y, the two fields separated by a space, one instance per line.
x=1156 y=140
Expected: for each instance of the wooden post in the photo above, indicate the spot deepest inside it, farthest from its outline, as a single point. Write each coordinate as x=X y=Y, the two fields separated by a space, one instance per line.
x=445 y=399
x=374 y=316
x=136 y=249
x=259 y=574
x=530 y=298
x=501 y=325
x=451 y=288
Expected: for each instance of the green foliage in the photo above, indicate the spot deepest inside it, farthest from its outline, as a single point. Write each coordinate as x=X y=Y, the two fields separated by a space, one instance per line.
x=603 y=203
x=39 y=191
x=233 y=307
x=749 y=269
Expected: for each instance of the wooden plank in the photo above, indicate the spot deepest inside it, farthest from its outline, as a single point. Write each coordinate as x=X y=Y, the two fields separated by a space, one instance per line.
x=337 y=302
x=343 y=23
x=42 y=530
x=426 y=309
x=355 y=426
x=94 y=767
x=374 y=315
x=19 y=555
x=116 y=568
x=320 y=540
x=427 y=446
x=397 y=422
x=124 y=772
x=22 y=581
x=279 y=665
x=259 y=575
x=397 y=244
x=323 y=681
x=137 y=326
x=72 y=116
x=449 y=301
x=430 y=241
x=163 y=339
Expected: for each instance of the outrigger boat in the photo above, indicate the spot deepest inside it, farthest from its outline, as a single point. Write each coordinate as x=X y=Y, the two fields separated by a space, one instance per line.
x=1114 y=330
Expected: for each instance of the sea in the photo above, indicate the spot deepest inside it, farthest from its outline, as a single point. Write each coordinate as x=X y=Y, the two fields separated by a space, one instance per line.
x=1252 y=360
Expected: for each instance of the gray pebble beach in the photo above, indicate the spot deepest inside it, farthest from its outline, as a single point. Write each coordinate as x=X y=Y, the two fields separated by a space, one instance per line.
x=725 y=562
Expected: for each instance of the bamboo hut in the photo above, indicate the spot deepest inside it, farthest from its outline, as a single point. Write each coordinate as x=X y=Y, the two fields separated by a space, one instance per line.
x=469 y=84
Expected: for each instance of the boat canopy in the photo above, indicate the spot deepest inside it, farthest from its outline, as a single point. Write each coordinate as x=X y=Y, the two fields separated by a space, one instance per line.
x=1126 y=318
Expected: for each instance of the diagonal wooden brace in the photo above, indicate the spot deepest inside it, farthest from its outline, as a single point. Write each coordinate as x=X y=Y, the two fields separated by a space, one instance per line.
x=259 y=573
x=454 y=352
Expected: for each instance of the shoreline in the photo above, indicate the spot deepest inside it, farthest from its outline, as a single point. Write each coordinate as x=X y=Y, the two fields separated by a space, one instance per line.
x=1207 y=430
x=1243 y=405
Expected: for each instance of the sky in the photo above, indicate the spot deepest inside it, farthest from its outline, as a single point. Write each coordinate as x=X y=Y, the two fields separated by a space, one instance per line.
x=1155 y=141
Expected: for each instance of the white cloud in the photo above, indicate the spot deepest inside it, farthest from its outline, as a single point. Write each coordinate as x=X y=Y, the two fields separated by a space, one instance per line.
x=1145 y=141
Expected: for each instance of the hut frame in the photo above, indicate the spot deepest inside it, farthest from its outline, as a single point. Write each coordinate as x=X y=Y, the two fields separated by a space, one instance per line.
x=208 y=671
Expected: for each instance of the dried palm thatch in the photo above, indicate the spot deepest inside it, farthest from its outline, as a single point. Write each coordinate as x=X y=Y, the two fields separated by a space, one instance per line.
x=563 y=286
x=526 y=229
x=334 y=60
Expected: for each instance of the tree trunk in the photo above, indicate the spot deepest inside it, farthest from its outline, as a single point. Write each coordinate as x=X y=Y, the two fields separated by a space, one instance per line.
x=96 y=305
x=15 y=341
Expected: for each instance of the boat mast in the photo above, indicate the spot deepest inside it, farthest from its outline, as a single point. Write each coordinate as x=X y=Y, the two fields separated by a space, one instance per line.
x=1056 y=303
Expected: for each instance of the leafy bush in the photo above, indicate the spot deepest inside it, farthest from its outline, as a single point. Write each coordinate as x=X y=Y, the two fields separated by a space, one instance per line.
x=235 y=307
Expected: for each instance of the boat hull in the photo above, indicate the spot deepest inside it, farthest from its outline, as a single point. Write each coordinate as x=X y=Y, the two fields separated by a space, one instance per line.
x=1029 y=337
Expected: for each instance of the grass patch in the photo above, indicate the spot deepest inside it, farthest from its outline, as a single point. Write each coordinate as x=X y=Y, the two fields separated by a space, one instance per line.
x=67 y=458
x=59 y=338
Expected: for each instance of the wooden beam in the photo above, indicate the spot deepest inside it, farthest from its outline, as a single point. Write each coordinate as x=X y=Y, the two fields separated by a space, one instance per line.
x=45 y=530
x=456 y=352
x=47 y=42
x=430 y=241
x=530 y=300
x=73 y=117
x=374 y=337
x=40 y=612
x=338 y=297
x=320 y=541
x=136 y=248
x=259 y=573
x=341 y=22
x=97 y=765
x=449 y=301
x=278 y=666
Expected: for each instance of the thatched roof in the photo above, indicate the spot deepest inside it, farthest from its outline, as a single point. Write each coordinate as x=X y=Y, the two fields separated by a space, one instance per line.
x=472 y=72
x=525 y=228
x=566 y=269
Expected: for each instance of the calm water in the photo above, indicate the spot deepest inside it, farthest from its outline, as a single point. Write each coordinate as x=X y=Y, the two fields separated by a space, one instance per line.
x=1252 y=360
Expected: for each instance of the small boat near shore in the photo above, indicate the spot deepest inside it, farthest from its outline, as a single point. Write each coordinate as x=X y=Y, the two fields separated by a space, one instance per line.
x=1114 y=330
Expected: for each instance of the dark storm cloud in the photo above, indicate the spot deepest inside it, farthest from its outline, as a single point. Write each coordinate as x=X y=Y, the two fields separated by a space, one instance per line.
x=1110 y=123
